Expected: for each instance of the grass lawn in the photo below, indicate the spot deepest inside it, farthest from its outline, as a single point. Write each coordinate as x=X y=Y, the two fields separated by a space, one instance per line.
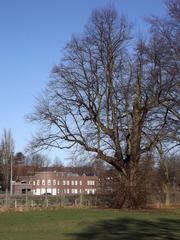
x=87 y=224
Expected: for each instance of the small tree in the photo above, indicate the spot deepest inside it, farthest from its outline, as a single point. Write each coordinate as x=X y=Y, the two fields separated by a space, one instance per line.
x=36 y=161
x=19 y=166
x=168 y=171
x=6 y=157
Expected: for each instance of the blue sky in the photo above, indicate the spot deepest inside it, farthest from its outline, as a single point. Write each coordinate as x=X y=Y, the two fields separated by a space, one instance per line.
x=32 y=36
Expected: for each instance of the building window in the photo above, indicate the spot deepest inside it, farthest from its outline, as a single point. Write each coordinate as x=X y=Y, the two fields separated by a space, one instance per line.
x=67 y=182
x=64 y=182
x=80 y=182
x=58 y=182
x=43 y=182
x=54 y=182
x=43 y=191
x=74 y=191
x=67 y=190
x=64 y=190
x=90 y=191
x=90 y=182
x=38 y=191
x=38 y=182
x=93 y=191
x=34 y=183
x=72 y=182
x=49 y=181
x=87 y=190
x=75 y=183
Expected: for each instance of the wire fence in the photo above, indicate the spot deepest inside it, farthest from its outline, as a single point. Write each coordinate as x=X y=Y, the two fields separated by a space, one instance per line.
x=97 y=200
x=46 y=201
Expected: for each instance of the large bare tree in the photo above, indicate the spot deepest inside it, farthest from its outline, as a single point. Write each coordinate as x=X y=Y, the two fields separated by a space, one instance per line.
x=108 y=99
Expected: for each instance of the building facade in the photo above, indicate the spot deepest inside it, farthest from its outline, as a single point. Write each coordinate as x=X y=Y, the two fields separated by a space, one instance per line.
x=56 y=183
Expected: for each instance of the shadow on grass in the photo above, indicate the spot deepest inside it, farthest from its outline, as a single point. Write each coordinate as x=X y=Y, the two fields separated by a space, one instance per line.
x=133 y=229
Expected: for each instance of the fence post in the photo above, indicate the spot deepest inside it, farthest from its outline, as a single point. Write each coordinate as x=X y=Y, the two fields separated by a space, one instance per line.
x=6 y=198
x=81 y=199
x=15 y=203
x=47 y=203
x=62 y=198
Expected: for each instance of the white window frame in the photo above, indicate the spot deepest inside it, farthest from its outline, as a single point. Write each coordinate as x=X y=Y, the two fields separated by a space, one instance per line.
x=43 y=182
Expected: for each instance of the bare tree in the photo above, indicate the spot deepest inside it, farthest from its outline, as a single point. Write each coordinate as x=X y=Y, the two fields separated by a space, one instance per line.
x=164 y=48
x=165 y=35
x=19 y=167
x=36 y=161
x=108 y=101
x=6 y=157
x=168 y=172
x=57 y=163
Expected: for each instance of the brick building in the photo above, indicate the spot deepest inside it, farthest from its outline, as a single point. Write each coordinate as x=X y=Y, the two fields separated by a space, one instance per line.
x=56 y=183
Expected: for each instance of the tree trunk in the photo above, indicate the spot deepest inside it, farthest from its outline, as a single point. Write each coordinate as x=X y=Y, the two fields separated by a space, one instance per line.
x=131 y=189
x=167 y=192
x=130 y=193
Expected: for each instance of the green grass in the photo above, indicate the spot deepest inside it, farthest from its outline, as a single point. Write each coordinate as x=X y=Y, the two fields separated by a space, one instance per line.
x=87 y=224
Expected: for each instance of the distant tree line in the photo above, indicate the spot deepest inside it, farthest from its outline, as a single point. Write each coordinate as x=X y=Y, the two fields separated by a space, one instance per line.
x=160 y=174
x=16 y=163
